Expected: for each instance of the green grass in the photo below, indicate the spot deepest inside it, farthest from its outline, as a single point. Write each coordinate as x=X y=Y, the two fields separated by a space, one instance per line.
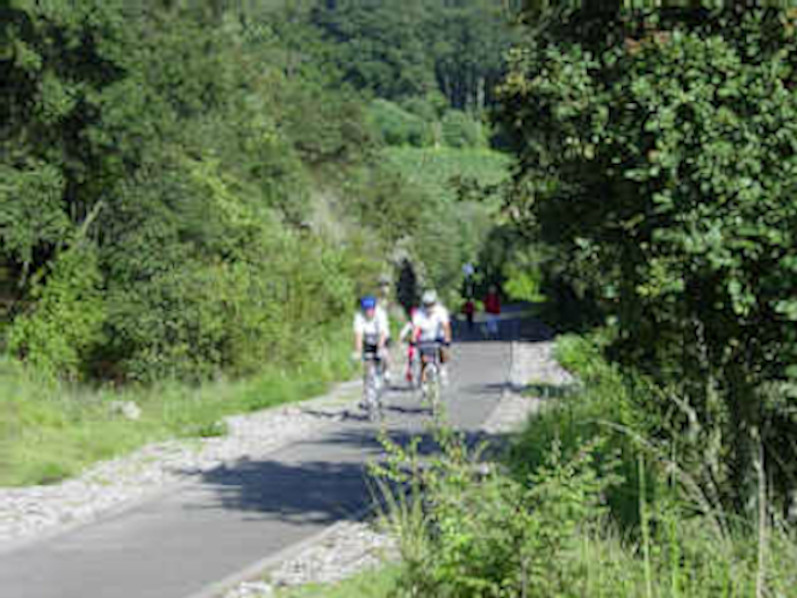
x=434 y=169
x=375 y=583
x=53 y=431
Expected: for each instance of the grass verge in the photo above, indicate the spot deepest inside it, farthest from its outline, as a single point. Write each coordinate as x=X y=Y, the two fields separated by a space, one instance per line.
x=52 y=431
x=374 y=583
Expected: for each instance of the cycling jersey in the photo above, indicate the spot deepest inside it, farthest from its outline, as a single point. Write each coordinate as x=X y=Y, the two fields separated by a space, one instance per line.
x=370 y=329
x=430 y=323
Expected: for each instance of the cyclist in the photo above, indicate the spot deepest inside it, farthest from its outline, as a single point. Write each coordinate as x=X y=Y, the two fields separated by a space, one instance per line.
x=409 y=335
x=433 y=325
x=370 y=334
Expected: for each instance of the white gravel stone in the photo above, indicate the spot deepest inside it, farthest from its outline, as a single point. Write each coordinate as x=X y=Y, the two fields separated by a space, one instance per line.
x=28 y=512
x=347 y=549
x=532 y=364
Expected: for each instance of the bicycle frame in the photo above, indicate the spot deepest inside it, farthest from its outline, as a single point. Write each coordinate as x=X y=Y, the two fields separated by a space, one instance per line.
x=429 y=354
x=372 y=385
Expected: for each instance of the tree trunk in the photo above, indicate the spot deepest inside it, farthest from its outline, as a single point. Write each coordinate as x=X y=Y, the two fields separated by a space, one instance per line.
x=743 y=441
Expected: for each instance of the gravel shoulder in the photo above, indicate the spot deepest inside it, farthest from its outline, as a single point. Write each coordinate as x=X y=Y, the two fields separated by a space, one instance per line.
x=30 y=512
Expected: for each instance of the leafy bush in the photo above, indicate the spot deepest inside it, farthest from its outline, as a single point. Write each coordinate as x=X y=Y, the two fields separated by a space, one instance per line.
x=203 y=151
x=429 y=108
x=461 y=130
x=397 y=126
x=65 y=323
x=585 y=508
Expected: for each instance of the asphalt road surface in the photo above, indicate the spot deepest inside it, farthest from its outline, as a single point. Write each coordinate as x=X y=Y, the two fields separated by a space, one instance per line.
x=176 y=544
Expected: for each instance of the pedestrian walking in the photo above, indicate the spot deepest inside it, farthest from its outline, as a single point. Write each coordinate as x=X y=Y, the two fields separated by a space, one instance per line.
x=492 y=306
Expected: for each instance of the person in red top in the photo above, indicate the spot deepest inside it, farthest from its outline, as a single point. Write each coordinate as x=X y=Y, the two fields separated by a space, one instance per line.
x=409 y=334
x=469 y=309
x=492 y=305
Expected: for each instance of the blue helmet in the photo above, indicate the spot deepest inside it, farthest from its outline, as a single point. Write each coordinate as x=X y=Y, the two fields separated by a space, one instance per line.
x=368 y=302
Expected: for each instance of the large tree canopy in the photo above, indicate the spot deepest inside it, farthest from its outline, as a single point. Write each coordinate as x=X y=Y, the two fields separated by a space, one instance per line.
x=454 y=48
x=658 y=163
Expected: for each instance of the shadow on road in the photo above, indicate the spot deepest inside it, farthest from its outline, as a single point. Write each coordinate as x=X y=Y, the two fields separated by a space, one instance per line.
x=324 y=480
x=318 y=492
x=510 y=329
x=305 y=493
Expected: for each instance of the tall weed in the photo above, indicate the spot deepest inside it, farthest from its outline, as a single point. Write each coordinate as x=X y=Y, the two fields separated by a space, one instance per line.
x=585 y=505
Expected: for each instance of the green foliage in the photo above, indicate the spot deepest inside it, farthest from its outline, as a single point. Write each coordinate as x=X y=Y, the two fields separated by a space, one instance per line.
x=65 y=323
x=399 y=127
x=425 y=47
x=188 y=127
x=445 y=172
x=524 y=277
x=373 y=583
x=417 y=123
x=459 y=130
x=658 y=166
x=430 y=107
x=448 y=232
x=49 y=432
x=29 y=209
x=586 y=507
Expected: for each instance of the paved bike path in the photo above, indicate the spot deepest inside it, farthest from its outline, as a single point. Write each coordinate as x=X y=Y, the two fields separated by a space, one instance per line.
x=180 y=542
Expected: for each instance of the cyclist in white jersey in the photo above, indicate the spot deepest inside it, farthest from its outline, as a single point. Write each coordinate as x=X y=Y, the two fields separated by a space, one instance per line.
x=432 y=323
x=370 y=333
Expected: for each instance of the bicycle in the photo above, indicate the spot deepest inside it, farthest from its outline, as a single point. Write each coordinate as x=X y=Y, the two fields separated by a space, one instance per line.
x=413 y=367
x=373 y=385
x=430 y=374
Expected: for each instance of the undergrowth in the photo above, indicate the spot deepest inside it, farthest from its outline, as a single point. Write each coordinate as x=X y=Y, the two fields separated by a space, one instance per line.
x=580 y=507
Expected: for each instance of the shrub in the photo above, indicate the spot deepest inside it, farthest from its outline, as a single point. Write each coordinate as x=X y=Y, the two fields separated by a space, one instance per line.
x=462 y=130
x=65 y=322
x=467 y=531
x=397 y=126
x=549 y=526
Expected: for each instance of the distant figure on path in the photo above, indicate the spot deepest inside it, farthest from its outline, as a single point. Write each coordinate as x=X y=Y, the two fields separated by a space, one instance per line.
x=469 y=310
x=492 y=305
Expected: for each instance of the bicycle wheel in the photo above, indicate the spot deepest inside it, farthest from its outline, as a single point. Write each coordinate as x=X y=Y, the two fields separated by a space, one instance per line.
x=415 y=374
x=379 y=391
x=369 y=388
x=432 y=387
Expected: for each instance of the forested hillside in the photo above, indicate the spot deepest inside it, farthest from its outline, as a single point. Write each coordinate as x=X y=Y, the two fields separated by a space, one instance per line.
x=199 y=191
x=178 y=176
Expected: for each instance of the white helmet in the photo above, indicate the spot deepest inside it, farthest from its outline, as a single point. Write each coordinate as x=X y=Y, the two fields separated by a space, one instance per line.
x=429 y=297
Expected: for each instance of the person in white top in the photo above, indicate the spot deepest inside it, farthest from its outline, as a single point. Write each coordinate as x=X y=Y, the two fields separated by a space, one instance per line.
x=432 y=324
x=407 y=335
x=370 y=332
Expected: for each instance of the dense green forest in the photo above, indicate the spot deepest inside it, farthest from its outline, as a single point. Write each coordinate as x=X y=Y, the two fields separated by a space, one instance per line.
x=191 y=189
x=196 y=191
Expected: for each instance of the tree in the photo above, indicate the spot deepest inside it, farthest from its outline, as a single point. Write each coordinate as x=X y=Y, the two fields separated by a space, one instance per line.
x=659 y=163
x=455 y=48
